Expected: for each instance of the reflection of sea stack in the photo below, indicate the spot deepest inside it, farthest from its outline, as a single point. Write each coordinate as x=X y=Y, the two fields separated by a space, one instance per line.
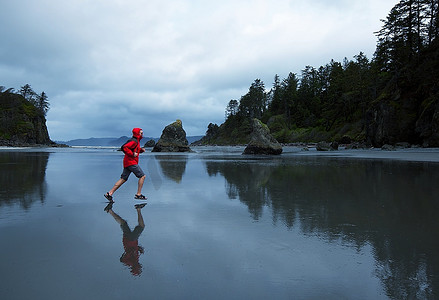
x=261 y=141
x=173 y=166
x=173 y=139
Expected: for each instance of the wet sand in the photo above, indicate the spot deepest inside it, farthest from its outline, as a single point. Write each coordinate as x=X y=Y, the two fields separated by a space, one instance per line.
x=353 y=224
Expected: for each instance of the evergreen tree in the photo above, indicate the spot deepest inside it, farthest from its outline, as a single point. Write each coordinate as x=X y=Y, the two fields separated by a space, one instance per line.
x=356 y=87
x=232 y=108
x=410 y=26
x=309 y=92
x=254 y=103
x=332 y=100
x=42 y=103
x=289 y=95
x=432 y=16
x=275 y=97
x=28 y=93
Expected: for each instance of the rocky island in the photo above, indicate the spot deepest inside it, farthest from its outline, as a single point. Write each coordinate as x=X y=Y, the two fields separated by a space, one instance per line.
x=173 y=139
x=22 y=123
x=261 y=141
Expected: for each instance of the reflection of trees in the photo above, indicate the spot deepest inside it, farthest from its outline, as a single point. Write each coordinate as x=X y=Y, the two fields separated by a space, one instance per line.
x=22 y=177
x=246 y=181
x=390 y=205
x=173 y=166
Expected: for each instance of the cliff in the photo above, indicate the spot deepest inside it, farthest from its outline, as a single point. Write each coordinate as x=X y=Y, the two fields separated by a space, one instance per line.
x=407 y=110
x=21 y=123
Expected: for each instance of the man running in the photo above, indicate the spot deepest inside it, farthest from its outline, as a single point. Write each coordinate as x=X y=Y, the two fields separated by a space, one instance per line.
x=132 y=150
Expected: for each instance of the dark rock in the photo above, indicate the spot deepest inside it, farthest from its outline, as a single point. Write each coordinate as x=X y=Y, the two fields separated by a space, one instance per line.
x=58 y=145
x=150 y=143
x=427 y=126
x=173 y=139
x=402 y=145
x=392 y=117
x=388 y=147
x=197 y=143
x=345 y=140
x=323 y=146
x=356 y=145
x=381 y=124
x=261 y=141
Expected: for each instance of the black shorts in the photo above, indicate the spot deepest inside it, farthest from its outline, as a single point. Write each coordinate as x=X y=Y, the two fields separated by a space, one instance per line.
x=131 y=235
x=134 y=169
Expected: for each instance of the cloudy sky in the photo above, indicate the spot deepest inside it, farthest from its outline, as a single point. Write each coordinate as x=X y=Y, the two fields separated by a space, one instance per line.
x=110 y=65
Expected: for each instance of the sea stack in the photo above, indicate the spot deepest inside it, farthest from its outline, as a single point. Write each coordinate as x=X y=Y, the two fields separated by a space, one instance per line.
x=173 y=139
x=261 y=141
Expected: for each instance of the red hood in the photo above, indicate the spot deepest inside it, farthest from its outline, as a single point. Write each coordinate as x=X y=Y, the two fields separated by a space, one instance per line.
x=136 y=133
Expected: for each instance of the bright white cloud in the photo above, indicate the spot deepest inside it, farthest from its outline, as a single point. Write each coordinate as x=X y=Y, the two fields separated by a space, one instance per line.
x=110 y=65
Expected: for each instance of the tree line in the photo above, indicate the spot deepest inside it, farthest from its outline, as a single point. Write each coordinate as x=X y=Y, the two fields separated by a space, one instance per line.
x=39 y=100
x=340 y=93
x=325 y=97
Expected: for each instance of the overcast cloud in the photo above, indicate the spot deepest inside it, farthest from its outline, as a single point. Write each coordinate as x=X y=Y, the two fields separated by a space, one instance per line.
x=108 y=66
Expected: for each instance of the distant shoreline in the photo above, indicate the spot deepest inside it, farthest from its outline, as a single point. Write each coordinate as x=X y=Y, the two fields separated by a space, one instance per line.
x=13 y=144
x=289 y=152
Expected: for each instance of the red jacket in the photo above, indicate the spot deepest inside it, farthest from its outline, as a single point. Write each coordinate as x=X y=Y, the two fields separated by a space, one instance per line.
x=131 y=147
x=131 y=256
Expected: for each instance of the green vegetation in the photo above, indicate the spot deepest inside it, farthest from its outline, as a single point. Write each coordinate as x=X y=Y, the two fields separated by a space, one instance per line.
x=36 y=103
x=390 y=98
x=22 y=117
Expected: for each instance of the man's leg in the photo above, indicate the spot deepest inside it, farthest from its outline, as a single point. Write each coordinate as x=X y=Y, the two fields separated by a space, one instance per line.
x=140 y=185
x=139 y=217
x=123 y=178
x=117 y=185
x=118 y=219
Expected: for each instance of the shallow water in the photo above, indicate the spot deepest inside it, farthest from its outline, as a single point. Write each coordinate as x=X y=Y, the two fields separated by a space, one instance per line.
x=220 y=225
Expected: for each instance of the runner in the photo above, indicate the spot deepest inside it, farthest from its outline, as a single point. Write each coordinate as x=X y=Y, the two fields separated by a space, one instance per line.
x=132 y=150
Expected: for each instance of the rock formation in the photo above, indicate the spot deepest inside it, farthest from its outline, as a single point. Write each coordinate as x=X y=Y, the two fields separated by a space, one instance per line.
x=325 y=146
x=21 y=123
x=261 y=141
x=150 y=143
x=173 y=139
x=403 y=114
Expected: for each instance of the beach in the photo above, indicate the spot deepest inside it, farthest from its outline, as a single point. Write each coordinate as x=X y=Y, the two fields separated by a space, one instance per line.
x=347 y=224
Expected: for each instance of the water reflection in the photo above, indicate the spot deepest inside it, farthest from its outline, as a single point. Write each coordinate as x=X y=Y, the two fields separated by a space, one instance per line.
x=390 y=205
x=22 y=177
x=173 y=166
x=130 y=239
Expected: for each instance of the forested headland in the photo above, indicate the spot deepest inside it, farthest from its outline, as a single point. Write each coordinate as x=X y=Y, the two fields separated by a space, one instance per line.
x=23 y=117
x=390 y=98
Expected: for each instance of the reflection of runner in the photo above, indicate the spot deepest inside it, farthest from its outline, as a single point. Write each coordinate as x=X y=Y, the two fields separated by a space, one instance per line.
x=130 y=257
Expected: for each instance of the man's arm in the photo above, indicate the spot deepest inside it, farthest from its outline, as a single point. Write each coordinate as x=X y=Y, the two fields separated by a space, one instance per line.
x=129 y=148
